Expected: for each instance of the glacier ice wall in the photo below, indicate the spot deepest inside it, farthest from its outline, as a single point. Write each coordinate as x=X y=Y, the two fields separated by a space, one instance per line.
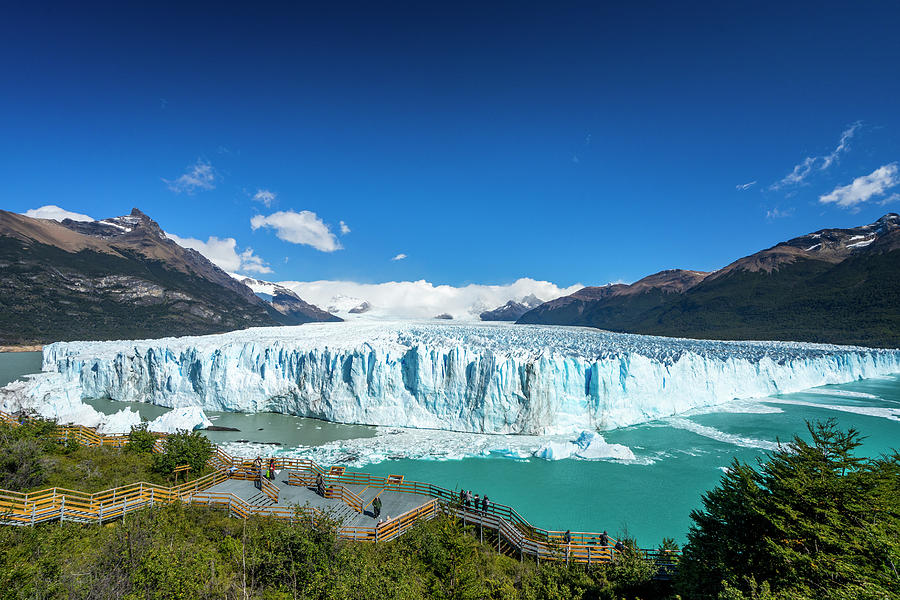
x=495 y=378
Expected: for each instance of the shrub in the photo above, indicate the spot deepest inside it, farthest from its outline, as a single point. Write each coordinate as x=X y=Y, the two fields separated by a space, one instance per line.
x=140 y=440
x=183 y=448
x=21 y=465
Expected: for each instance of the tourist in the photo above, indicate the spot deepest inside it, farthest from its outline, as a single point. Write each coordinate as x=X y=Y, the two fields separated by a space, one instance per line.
x=568 y=537
x=257 y=472
x=271 y=468
x=620 y=547
x=485 y=503
x=604 y=538
x=468 y=498
x=376 y=506
x=320 y=485
x=477 y=502
x=462 y=497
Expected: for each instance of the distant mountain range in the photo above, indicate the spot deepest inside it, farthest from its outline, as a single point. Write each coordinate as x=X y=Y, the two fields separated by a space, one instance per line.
x=835 y=285
x=286 y=302
x=512 y=310
x=120 y=278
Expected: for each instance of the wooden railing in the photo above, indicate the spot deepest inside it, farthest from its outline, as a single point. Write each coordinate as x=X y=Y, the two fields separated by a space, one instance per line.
x=332 y=490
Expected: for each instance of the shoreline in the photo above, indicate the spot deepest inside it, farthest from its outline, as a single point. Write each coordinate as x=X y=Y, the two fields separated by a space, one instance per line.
x=24 y=348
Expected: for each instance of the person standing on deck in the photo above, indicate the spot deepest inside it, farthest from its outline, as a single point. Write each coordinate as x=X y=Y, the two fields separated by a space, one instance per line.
x=477 y=502
x=257 y=471
x=468 y=498
x=376 y=506
x=320 y=485
x=485 y=503
x=604 y=538
x=568 y=536
x=271 y=473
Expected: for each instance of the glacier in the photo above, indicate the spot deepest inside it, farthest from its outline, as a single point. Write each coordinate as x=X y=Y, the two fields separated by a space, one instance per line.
x=481 y=378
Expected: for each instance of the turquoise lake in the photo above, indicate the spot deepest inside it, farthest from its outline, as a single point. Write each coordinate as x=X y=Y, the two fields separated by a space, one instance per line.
x=651 y=498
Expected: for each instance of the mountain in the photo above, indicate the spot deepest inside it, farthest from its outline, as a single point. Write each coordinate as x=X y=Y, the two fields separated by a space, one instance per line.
x=512 y=310
x=112 y=279
x=295 y=310
x=833 y=285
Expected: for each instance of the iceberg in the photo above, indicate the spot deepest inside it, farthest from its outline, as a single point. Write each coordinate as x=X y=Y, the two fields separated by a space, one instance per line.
x=589 y=446
x=486 y=378
x=120 y=422
x=186 y=418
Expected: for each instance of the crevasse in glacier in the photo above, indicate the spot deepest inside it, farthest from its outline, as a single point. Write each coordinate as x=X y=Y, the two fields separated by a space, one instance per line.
x=495 y=378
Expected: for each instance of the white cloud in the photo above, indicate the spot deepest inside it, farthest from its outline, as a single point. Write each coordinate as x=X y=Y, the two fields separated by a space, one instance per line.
x=400 y=256
x=302 y=227
x=802 y=170
x=745 y=186
x=777 y=213
x=223 y=253
x=264 y=196
x=51 y=211
x=421 y=299
x=345 y=229
x=863 y=188
x=890 y=199
x=199 y=176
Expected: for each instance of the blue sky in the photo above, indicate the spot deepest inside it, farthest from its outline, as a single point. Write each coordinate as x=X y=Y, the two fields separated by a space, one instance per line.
x=567 y=142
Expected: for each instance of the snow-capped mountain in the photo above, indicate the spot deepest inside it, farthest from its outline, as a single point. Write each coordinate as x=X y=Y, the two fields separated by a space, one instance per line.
x=512 y=310
x=114 y=278
x=287 y=303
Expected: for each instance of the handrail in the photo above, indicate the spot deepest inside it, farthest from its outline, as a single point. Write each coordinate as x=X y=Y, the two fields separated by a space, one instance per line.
x=268 y=488
x=332 y=490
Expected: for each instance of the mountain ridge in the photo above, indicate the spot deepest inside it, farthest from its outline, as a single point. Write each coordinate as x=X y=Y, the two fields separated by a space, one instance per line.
x=831 y=285
x=113 y=278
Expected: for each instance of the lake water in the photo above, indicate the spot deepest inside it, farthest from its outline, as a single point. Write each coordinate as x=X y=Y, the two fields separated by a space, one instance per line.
x=677 y=459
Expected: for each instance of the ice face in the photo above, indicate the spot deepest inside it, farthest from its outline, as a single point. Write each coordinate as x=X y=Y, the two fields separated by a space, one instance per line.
x=488 y=378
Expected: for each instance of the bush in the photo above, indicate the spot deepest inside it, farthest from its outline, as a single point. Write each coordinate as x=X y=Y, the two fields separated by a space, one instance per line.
x=183 y=448
x=140 y=440
x=21 y=465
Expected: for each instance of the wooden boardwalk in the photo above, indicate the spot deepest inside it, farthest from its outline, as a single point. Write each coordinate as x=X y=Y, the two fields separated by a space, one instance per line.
x=236 y=487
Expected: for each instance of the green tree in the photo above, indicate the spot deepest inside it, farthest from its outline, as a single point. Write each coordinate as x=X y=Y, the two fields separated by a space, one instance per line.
x=183 y=448
x=140 y=440
x=813 y=521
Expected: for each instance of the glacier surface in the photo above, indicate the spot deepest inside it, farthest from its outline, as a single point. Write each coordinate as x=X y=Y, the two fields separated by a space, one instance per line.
x=485 y=378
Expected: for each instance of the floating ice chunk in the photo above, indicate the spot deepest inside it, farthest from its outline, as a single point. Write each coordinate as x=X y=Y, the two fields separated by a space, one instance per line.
x=120 y=422
x=186 y=418
x=590 y=445
x=594 y=447
x=556 y=450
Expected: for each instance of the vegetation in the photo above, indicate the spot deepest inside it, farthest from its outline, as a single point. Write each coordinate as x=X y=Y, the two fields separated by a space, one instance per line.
x=813 y=521
x=193 y=552
x=31 y=458
x=184 y=448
